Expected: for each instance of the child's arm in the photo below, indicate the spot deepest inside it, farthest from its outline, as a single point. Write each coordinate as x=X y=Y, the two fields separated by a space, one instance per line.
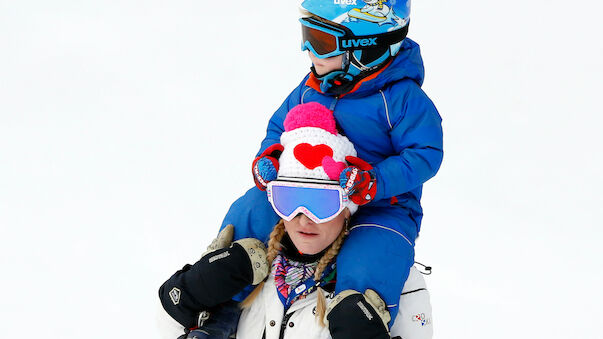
x=275 y=125
x=265 y=166
x=417 y=138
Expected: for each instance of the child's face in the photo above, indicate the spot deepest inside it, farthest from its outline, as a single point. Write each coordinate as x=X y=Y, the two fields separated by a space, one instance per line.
x=310 y=237
x=326 y=65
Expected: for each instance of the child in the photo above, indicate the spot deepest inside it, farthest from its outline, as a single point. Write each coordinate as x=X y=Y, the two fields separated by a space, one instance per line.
x=369 y=74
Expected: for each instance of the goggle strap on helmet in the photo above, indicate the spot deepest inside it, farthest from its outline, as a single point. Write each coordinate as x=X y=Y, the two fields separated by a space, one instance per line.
x=373 y=41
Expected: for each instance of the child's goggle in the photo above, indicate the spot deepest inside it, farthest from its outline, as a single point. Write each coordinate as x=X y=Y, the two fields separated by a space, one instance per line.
x=320 y=38
x=320 y=202
x=326 y=40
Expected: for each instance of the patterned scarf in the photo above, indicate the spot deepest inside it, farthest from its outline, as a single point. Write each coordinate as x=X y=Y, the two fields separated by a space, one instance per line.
x=289 y=274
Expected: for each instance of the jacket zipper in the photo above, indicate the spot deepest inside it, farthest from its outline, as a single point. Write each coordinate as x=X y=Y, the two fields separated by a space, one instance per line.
x=333 y=104
x=284 y=325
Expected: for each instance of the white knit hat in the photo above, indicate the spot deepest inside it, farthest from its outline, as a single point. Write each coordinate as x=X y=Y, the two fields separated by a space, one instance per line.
x=313 y=149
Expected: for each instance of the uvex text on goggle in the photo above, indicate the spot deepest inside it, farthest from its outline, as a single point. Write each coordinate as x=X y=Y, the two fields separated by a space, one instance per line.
x=326 y=40
x=319 y=201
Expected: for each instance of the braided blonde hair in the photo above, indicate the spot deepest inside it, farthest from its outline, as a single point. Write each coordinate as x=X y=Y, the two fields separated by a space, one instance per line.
x=321 y=303
x=274 y=246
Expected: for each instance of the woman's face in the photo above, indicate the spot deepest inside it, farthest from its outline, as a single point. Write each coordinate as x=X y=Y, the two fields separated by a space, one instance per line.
x=310 y=237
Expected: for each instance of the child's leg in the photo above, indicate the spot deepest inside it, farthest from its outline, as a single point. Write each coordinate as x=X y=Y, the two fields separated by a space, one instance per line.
x=252 y=216
x=377 y=255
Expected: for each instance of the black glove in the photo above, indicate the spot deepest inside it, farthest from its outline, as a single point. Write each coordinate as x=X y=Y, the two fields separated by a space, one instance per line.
x=355 y=315
x=213 y=280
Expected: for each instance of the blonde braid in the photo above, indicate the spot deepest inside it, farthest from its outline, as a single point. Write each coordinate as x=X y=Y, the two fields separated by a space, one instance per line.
x=274 y=245
x=321 y=303
x=329 y=255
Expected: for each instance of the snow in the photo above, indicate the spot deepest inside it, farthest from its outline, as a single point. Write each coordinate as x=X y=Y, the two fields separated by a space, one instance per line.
x=128 y=127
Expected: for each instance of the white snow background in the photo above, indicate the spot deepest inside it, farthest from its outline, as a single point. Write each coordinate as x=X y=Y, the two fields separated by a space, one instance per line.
x=128 y=127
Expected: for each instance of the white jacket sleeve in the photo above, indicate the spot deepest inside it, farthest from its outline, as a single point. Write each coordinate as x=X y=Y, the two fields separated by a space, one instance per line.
x=414 y=319
x=168 y=327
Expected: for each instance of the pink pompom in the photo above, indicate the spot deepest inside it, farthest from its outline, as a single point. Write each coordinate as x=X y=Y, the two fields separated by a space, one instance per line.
x=311 y=114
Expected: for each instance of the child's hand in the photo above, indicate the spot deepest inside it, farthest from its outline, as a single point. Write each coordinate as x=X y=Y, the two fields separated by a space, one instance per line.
x=358 y=181
x=265 y=166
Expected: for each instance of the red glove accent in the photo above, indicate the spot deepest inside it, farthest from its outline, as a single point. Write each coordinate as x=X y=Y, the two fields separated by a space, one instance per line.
x=358 y=180
x=357 y=162
x=272 y=154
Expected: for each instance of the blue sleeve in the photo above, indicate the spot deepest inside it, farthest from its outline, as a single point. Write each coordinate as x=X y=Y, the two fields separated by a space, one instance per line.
x=416 y=136
x=275 y=125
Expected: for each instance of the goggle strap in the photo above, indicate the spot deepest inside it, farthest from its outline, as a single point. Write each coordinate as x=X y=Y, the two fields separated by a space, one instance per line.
x=376 y=40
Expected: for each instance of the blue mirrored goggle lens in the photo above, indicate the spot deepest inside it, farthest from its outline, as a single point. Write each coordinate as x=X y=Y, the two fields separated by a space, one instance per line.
x=323 y=203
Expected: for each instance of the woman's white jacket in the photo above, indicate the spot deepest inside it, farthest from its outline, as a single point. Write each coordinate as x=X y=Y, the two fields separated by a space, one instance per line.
x=414 y=319
x=267 y=313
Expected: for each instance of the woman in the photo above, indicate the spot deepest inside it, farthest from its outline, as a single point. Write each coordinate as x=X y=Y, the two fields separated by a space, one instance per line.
x=296 y=299
x=265 y=315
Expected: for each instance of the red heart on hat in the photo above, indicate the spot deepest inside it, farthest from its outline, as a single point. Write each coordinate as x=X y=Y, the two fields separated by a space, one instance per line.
x=311 y=156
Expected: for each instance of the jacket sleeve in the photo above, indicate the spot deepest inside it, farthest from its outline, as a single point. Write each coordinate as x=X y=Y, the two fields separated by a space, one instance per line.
x=416 y=135
x=275 y=125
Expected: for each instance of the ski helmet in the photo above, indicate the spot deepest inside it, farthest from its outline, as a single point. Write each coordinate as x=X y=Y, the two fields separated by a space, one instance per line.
x=368 y=36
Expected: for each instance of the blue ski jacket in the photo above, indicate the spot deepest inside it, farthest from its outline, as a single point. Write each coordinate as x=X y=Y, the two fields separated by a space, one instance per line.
x=391 y=122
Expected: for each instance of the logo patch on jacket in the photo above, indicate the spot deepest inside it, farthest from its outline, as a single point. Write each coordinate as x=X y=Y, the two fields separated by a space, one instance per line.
x=422 y=319
x=175 y=295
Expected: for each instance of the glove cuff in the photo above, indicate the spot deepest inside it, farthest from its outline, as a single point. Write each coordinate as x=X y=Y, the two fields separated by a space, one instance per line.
x=222 y=240
x=265 y=167
x=256 y=251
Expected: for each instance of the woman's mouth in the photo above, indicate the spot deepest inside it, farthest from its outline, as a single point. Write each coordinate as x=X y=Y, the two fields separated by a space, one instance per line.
x=307 y=234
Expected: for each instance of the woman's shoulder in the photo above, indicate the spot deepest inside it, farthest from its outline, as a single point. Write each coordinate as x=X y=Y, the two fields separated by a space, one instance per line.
x=414 y=319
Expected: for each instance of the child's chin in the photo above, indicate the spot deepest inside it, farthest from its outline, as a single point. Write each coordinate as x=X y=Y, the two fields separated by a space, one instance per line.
x=322 y=71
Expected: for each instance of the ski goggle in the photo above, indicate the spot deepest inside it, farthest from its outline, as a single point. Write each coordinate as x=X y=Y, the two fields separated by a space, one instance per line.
x=318 y=201
x=327 y=40
x=320 y=38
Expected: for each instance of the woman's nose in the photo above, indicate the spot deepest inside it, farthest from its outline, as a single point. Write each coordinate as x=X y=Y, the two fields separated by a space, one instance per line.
x=305 y=220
